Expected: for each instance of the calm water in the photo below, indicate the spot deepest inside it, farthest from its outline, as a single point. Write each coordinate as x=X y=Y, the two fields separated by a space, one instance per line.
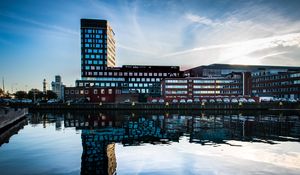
x=214 y=142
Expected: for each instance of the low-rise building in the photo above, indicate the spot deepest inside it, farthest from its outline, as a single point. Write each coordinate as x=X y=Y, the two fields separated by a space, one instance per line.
x=91 y=94
x=233 y=84
x=279 y=85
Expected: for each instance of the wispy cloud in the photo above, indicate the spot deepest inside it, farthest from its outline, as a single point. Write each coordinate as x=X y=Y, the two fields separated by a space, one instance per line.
x=250 y=45
x=201 y=20
x=47 y=26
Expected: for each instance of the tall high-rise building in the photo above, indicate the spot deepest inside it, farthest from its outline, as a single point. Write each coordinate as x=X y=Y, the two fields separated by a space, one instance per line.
x=58 y=87
x=97 y=47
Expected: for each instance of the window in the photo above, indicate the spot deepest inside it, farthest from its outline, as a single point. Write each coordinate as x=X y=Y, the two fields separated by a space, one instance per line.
x=76 y=91
x=109 y=91
x=86 y=92
x=102 y=91
x=87 y=56
x=67 y=91
x=95 y=91
x=81 y=91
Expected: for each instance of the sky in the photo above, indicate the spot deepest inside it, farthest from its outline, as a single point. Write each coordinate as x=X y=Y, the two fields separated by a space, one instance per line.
x=41 y=39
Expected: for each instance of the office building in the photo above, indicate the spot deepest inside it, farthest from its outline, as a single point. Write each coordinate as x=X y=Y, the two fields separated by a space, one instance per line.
x=97 y=47
x=98 y=62
x=217 y=70
x=233 y=84
x=279 y=85
x=58 y=87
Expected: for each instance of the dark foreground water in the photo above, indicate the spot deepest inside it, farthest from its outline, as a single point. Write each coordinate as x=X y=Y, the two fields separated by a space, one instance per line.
x=211 y=142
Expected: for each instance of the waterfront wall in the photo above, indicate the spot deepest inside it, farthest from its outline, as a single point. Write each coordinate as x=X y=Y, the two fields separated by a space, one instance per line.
x=163 y=106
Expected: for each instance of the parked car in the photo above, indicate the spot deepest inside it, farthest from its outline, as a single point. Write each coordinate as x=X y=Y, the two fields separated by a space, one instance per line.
x=189 y=101
x=212 y=100
x=174 y=101
x=243 y=100
x=226 y=100
x=154 y=101
x=292 y=100
x=203 y=100
x=127 y=101
x=234 y=100
x=182 y=101
x=251 y=100
x=26 y=101
x=197 y=100
x=51 y=101
x=219 y=100
x=161 y=100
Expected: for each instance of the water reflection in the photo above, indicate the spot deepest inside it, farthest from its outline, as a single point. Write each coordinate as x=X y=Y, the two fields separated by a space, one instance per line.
x=101 y=130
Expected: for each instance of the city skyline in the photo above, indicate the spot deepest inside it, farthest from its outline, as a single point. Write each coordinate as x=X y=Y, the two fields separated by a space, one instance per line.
x=41 y=39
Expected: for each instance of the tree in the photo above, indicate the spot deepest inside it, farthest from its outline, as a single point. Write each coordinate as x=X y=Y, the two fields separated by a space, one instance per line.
x=35 y=92
x=51 y=95
x=1 y=93
x=21 y=94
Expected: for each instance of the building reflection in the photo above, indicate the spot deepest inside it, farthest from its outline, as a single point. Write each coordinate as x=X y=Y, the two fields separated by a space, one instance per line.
x=102 y=130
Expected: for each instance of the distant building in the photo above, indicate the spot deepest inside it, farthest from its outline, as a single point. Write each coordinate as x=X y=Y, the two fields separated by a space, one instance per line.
x=279 y=85
x=44 y=86
x=58 y=87
x=217 y=70
x=234 y=84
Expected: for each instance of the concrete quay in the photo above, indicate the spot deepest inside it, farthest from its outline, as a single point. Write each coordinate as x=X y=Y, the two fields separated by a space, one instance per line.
x=10 y=116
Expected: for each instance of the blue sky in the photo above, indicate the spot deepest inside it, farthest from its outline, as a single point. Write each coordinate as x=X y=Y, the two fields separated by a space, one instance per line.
x=40 y=39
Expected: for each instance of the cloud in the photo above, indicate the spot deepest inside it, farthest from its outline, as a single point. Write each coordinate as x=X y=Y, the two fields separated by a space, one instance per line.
x=200 y=20
x=41 y=24
x=250 y=45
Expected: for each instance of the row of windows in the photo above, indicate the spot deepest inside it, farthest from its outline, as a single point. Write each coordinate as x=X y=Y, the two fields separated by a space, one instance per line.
x=95 y=45
x=176 y=86
x=176 y=92
x=94 y=62
x=141 y=74
x=295 y=75
x=292 y=89
x=215 y=87
x=94 y=36
x=284 y=83
x=99 y=31
x=140 y=85
x=274 y=77
x=216 y=81
x=98 y=84
x=217 y=92
x=89 y=40
x=176 y=81
x=95 y=50
x=95 y=68
x=92 y=56
x=144 y=79
x=143 y=91
x=95 y=91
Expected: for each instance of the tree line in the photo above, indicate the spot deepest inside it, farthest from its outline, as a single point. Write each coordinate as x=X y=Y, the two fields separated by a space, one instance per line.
x=35 y=94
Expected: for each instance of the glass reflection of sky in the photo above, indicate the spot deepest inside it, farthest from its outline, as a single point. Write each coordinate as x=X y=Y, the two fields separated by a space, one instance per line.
x=187 y=158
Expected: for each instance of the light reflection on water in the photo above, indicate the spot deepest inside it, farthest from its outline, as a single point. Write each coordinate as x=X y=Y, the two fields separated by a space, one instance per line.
x=214 y=142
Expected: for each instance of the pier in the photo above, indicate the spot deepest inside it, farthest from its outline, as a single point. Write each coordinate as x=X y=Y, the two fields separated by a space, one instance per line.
x=9 y=117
